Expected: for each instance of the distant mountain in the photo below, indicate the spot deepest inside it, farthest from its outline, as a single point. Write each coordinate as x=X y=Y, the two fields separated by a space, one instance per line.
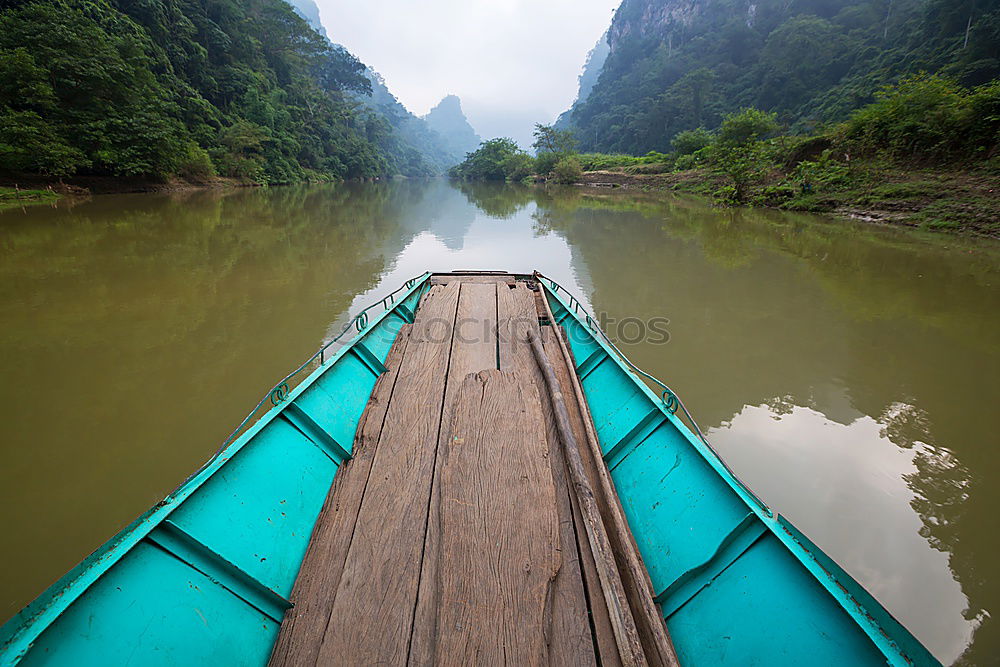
x=417 y=150
x=308 y=10
x=674 y=65
x=448 y=120
x=414 y=131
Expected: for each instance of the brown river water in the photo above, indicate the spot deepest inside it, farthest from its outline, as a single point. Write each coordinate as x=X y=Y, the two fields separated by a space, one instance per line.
x=849 y=373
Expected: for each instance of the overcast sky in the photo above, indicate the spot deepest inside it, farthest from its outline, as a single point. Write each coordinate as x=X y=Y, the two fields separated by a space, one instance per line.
x=513 y=62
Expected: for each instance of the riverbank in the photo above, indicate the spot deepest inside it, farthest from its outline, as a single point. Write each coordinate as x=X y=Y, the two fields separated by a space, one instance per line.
x=965 y=202
x=104 y=185
x=17 y=197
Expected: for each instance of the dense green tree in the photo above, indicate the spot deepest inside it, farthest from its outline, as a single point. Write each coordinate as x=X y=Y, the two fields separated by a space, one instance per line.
x=494 y=160
x=153 y=88
x=549 y=139
x=552 y=145
x=687 y=142
x=746 y=126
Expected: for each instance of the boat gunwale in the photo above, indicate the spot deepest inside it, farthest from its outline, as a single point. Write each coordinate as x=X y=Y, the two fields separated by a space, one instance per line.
x=19 y=632
x=790 y=536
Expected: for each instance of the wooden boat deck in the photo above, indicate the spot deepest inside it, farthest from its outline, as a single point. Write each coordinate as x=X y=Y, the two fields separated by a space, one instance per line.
x=454 y=535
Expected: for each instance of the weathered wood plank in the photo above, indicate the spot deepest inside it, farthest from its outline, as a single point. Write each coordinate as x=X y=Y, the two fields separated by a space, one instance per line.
x=499 y=528
x=304 y=624
x=474 y=348
x=629 y=646
x=570 y=633
x=374 y=604
x=516 y=314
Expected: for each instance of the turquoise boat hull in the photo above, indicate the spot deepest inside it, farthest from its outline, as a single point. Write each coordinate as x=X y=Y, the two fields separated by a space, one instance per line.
x=205 y=575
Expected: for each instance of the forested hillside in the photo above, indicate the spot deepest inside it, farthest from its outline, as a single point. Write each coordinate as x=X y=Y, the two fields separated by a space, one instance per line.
x=414 y=148
x=193 y=88
x=680 y=64
x=588 y=79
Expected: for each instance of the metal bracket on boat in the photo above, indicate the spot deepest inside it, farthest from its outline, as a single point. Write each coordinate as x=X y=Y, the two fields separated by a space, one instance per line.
x=670 y=401
x=279 y=393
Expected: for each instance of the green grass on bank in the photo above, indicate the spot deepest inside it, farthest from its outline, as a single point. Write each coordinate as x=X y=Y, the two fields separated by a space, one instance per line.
x=13 y=197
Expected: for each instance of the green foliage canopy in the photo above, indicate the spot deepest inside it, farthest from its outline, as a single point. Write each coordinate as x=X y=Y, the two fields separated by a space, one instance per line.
x=810 y=61
x=494 y=160
x=155 y=88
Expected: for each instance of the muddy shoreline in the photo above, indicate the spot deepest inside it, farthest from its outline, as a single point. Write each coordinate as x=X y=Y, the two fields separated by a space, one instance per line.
x=971 y=194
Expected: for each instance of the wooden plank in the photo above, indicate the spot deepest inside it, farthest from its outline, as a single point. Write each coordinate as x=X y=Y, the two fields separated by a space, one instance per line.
x=571 y=638
x=474 y=348
x=629 y=646
x=499 y=528
x=374 y=605
x=304 y=624
x=657 y=646
x=516 y=314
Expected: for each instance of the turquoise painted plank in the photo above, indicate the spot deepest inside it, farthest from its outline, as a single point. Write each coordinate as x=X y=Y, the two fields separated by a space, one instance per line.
x=615 y=412
x=151 y=610
x=678 y=508
x=732 y=547
x=766 y=610
x=338 y=398
x=258 y=511
x=176 y=541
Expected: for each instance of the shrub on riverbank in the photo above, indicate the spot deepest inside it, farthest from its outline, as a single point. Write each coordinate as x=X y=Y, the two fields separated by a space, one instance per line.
x=923 y=152
x=494 y=160
x=567 y=171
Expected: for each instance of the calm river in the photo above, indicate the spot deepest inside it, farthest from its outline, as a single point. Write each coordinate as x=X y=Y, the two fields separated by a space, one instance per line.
x=848 y=373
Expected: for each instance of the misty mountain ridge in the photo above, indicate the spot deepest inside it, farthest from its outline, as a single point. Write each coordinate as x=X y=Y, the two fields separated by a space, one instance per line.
x=428 y=148
x=592 y=67
x=449 y=121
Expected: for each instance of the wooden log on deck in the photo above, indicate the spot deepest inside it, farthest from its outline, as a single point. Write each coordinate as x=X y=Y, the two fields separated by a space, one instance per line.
x=658 y=647
x=629 y=647
x=573 y=632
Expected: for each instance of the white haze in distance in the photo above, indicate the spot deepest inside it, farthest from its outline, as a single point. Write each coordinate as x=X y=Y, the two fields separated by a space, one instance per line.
x=513 y=62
